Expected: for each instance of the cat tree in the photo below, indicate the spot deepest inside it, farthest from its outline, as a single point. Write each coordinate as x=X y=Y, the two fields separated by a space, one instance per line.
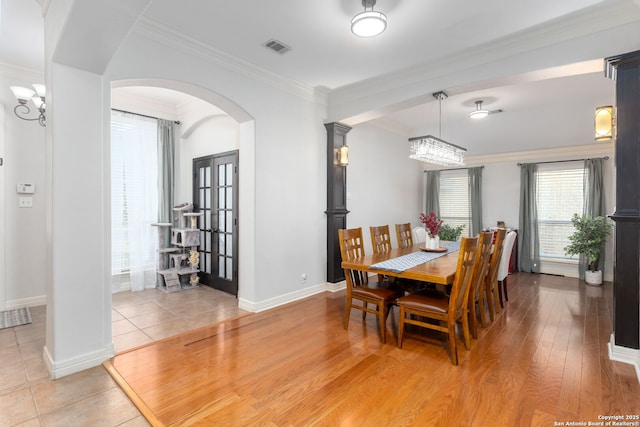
x=178 y=264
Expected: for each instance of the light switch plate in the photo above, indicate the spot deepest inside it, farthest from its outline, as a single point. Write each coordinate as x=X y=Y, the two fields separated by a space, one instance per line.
x=25 y=188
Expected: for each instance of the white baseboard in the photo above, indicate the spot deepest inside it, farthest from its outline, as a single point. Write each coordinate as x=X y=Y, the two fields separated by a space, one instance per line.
x=336 y=287
x=624 y=355
x=27 y=302
x=256 y=307
x=59 y=369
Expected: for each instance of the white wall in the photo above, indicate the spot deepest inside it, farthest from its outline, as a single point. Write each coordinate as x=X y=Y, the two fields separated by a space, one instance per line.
x=384 y=186
x=24 y=162
x=288 y=190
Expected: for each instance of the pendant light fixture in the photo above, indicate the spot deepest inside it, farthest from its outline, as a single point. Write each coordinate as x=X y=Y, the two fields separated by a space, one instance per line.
x=479 y=112
x=368 y=23
x=436 y=150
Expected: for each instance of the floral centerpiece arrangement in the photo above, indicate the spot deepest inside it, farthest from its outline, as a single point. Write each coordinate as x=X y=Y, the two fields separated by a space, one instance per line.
x=432 y=223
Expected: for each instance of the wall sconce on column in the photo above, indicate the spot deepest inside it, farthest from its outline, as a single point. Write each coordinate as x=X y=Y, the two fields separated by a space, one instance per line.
x=604 y=123
x=341 y=156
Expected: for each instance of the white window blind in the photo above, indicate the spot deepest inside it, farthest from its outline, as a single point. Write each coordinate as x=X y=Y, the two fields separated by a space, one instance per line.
x=134 y=192
x=560 y=195
x=454 y=199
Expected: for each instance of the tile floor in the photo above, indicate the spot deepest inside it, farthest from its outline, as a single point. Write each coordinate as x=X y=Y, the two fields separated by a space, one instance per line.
x=91 y=398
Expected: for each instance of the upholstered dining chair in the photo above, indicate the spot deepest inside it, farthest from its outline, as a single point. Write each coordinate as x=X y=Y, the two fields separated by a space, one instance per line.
x=491 y=282
x=477 y=295
x=503 y=270
x=404 y=234
x=423 y=308
x=359 y=288
x=420 y=234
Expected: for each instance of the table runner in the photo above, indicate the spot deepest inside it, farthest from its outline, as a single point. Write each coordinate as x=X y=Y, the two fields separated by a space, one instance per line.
x=405 y=262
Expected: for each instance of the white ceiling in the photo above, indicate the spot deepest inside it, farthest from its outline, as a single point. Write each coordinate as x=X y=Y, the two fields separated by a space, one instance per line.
x=326 y=55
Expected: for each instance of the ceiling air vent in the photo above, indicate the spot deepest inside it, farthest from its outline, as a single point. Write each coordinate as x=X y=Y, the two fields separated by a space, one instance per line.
x=277 y=46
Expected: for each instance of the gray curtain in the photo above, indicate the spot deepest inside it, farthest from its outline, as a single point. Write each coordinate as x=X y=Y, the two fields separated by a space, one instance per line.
x=475 y=199
x=166 y=169
x=528 y=241
x=432 y=199
x=593 y=190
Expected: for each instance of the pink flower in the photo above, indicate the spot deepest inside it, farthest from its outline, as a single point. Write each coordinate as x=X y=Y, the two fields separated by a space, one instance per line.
x=432 y=223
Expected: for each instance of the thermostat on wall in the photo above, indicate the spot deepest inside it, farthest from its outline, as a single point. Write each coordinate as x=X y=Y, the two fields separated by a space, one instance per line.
x=25 y=188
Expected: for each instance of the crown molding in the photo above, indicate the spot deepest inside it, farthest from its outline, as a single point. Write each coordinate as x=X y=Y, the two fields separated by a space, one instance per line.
x=160 y=33
x=599 y=149
x=16 y=72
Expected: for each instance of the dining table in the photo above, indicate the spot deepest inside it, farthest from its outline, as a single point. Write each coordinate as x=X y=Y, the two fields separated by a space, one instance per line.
x=413 y=262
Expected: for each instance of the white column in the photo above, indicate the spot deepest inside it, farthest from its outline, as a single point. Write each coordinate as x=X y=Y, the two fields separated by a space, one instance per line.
x=78 y=297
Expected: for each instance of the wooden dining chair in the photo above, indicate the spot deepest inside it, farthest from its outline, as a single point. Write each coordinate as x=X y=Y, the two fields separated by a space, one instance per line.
x=380 y=239
x=380 y=243
x=491 y=282
x=477 y=294
x=404 y=234
x=360 y=288
x=423 y=308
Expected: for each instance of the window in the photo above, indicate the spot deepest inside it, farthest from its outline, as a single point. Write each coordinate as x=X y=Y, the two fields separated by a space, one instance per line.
x=134 y=192
x=560 y=195
x=455 y=208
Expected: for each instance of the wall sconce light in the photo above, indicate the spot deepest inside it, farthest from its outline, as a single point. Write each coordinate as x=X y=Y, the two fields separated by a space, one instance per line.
x=604 y=123
x=341 y=156
x=36 y=95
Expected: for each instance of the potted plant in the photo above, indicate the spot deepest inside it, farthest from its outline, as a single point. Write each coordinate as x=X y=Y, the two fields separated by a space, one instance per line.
x=449 y=233
x=588 y=240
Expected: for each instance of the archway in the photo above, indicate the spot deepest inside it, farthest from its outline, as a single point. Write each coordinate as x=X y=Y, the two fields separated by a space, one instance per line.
x=246 y=138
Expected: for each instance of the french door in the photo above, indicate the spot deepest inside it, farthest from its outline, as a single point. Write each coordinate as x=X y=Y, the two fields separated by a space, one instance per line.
x=215 y=194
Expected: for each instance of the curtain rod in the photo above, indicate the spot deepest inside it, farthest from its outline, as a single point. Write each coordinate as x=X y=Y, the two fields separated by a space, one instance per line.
x=455 y=169
x=563 y=161
x=143 y=115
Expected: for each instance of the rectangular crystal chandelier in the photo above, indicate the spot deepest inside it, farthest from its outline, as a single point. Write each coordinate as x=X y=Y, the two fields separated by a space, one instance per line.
x=435 y=150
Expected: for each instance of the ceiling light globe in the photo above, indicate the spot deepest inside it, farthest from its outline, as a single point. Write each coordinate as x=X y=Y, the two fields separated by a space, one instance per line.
x=479 y=114
x=368 y=24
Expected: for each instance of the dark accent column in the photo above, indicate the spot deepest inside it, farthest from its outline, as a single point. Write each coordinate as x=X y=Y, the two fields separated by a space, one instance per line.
x=336 y=199
x=625 y=70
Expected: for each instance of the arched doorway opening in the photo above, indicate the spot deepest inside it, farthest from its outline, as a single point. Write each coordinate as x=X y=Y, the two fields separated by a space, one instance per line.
x=209 y=125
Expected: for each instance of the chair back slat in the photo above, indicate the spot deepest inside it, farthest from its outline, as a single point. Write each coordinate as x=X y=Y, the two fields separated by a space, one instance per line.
x=380 y=239
x=352 y=247
x=464 y=270
x=480 y=270
x=404 y=234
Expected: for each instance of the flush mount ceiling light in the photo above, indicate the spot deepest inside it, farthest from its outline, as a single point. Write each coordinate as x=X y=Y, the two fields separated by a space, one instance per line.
x=368 y=23
x=479 y=112
x=35 y=95
x=436 y=150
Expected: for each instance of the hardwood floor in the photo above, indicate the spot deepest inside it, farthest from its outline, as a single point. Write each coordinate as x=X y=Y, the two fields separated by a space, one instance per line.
x=543 y=360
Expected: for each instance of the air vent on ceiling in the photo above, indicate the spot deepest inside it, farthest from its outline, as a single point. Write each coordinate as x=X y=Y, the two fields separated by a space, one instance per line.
x=277 y=46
